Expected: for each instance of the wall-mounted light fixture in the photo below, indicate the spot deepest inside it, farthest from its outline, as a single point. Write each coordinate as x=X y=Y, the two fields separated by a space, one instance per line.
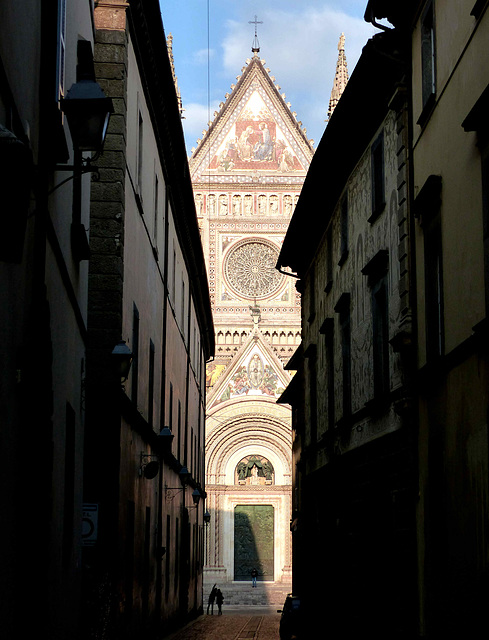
x=149 y=466
x=184 y=475
x=165 y=438
x=121 y=359
x=86 y=106
x=87 y=110
x=207 y=518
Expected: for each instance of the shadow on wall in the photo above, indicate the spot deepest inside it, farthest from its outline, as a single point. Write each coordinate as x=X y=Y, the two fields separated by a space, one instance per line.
x=254 y=542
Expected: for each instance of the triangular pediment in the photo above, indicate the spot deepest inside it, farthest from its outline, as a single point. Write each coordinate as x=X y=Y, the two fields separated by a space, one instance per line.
x=255 y=373
x=254 y=134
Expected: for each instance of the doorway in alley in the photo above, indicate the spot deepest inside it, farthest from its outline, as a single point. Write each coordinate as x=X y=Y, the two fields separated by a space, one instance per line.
x=254 y=541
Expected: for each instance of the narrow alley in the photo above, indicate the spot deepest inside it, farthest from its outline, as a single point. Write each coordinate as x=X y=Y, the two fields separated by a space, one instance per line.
x=238 y=623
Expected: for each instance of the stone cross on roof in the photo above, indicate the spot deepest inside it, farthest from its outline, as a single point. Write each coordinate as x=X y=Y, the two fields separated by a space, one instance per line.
x=256 y=45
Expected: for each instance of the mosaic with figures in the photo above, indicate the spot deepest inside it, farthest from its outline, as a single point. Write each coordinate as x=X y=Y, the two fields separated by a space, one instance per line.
x=254 y=378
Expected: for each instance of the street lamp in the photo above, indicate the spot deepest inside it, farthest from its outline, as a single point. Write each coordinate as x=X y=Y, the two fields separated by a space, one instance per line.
x=86 y=106
x=87 y=111
x=122 y=359
x=165 y=438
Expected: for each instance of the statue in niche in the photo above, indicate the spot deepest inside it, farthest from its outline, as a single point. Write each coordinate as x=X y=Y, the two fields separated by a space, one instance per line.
x=288 y=206
x=248 y=205
x=254 y=470
x=273 y=205
x=198 y=203
x=223 y=205
x=237 y=205
x=211 y=204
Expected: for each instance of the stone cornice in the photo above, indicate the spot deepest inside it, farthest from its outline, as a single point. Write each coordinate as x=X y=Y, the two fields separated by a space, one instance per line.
x=256 y=488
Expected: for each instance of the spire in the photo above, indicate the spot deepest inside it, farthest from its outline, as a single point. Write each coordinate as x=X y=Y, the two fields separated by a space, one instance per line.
x=169 y=46
x=256 y=45
x=341 y=77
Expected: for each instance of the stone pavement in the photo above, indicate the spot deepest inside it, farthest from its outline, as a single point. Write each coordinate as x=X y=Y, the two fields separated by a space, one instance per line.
x=271 y=594
x=238 y=623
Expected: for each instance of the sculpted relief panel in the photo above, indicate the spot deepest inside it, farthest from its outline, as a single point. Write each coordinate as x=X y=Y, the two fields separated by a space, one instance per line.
x=245 y=204
x=254 y=470
x=254 y=378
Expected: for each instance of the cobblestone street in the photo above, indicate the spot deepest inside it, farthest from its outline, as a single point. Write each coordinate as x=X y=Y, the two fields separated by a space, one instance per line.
x=247 y=623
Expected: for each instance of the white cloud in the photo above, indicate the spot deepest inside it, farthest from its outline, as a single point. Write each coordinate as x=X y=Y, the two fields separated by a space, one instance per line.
x=196 y=117
x=202 y=56
x=301 y=49
x=298 y=40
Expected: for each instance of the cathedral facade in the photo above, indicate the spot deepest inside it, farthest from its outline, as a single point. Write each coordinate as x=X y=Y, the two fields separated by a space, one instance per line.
x=247 y=172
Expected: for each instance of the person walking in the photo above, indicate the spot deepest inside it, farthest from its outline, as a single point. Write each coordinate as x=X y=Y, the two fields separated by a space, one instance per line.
x=254 y=574
x=219 y=601
x=210 y=602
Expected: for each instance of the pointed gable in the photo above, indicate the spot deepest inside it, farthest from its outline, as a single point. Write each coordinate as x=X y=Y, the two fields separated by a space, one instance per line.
x=254 y=373
x=254 y=133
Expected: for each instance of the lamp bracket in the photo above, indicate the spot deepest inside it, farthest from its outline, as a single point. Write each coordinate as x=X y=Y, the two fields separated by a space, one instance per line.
x=170 y=496
x=76 y=170
x=144 y=460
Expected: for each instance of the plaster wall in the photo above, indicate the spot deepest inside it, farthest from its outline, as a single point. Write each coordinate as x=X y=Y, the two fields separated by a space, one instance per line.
x=365 y=239
x=443 y=148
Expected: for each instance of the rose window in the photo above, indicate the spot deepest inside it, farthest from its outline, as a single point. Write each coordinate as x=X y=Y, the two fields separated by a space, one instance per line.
x=249 y=269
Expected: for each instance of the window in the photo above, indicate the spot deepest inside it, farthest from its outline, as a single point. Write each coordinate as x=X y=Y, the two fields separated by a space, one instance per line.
x=61 y=50
x=151 y=382
x=140 y=155
x=427 y=208
x=174 y=273
x=69 y=486
x=343 y=229
x=179 y=430
x=155 y=203
x=343 y=309
x=485 y=214
x=312 y=294
x=478 y=8
x=380 y=327
x=311 y=355
x=167 y=557
x=176 y=570
x=477 y=121
x=428 y=62
x=135 y=354
x=327 y=329
x=433 y=287
x=182 y=307
x=376 y=270
x=377 y=177
x=329 y=259
x=170 y=403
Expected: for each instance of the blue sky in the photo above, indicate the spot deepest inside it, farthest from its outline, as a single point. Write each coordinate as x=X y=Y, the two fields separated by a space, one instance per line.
x=298 y=40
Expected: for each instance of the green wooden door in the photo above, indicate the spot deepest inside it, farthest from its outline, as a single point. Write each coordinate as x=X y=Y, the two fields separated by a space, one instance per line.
x=253 y=541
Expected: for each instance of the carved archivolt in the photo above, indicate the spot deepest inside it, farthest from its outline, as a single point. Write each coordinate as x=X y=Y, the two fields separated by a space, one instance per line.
x=248 y=435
